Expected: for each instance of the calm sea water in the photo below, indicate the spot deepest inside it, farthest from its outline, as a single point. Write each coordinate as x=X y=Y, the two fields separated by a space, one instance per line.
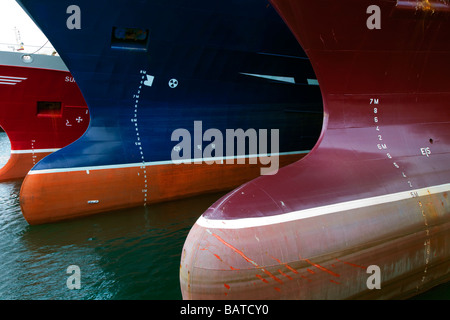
x=127 y=254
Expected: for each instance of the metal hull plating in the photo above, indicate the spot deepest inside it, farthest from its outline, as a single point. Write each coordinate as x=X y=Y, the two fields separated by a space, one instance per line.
x=366 y=214
x=228 y=65
x=35 y=133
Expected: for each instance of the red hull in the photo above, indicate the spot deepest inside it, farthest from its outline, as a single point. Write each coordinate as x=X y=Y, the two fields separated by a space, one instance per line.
x=34 y=127
x=374 y=190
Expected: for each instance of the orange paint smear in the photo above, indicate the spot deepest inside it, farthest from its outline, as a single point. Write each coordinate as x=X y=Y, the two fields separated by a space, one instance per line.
x=284 y=274
x=322 y=268
x=245 y=257
x=335 y=282
x=290 y=268
x=272 y=276
x=285 y=264
x=351 y=264
x=306 y=278
x=235 y=250
x=262 y=279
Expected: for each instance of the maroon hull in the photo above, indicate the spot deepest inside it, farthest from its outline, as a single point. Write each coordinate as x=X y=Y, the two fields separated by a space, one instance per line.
x=372 y=193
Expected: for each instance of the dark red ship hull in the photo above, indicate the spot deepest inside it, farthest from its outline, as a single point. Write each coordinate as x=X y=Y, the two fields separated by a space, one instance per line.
x=366 y=214
x=41 y=110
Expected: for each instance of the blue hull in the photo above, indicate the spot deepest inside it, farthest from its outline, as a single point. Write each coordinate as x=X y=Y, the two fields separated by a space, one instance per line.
x=147 y=68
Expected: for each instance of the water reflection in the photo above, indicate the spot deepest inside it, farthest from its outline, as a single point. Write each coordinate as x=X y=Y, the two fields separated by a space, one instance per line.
x=5 y=148
x=127 y=254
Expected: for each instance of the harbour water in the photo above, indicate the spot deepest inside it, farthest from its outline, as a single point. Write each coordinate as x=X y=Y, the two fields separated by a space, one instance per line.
x=128 y=254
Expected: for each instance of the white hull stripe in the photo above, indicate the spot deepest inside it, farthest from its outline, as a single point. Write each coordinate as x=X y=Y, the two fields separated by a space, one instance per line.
x=270 y=77
x=156 y=163
x=320 y=211
x=11 y=80
x=313 y=82
x=33 y=151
